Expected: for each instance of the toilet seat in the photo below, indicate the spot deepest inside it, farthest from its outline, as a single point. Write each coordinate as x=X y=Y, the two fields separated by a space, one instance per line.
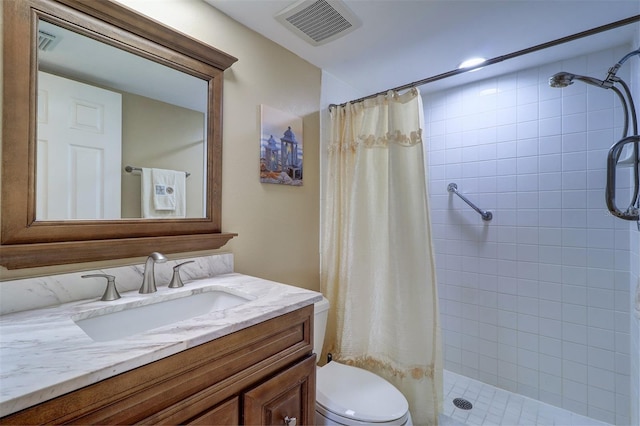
x=351 y=395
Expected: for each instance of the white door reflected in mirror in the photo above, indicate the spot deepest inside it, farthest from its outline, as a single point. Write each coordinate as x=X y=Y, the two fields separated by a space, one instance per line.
x=79 y=150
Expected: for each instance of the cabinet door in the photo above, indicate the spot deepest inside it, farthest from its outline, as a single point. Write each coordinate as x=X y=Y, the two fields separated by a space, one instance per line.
x=291 y=393
x=227 y=413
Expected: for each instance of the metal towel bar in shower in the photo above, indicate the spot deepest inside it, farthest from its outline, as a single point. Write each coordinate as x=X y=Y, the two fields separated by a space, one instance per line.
x=486 y=215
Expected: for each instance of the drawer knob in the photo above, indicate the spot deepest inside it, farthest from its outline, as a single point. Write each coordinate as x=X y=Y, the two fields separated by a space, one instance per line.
x=290 y=421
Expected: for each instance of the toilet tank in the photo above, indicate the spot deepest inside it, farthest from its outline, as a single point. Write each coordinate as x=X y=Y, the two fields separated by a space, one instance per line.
x=320 y=314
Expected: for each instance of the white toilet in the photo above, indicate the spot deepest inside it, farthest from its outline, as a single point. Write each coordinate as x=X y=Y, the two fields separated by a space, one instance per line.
x=347 y=395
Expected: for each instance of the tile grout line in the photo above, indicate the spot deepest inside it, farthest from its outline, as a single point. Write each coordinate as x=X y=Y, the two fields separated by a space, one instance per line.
x=494 y=406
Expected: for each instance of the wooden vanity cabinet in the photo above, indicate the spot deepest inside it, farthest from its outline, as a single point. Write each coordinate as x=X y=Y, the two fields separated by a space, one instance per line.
x=291 y=394
x=258 y=375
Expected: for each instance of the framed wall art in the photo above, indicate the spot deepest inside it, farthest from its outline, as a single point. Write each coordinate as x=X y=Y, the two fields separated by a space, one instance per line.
x=280 y=147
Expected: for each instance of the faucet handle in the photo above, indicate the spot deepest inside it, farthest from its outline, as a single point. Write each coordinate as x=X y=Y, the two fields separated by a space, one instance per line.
x=111 y=292
x=176 y=281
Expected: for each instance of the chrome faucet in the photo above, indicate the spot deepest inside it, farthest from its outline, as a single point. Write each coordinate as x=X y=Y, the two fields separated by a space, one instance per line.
x=148 y=278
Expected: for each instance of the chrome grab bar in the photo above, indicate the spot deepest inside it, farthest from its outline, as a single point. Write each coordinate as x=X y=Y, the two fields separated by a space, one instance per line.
x=632 y=212
x=486 y=215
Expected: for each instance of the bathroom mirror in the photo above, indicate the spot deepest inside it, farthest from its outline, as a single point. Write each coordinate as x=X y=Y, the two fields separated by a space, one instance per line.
x=30 y=236
x=103 y=111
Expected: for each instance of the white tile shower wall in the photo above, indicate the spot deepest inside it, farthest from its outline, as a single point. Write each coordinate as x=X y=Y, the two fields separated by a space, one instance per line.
x=537 y=300
x=635 y=328
x=635 y=271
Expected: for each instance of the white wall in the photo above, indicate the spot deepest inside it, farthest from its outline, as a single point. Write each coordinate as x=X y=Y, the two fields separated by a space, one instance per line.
x=634 y=283
x=537 y=300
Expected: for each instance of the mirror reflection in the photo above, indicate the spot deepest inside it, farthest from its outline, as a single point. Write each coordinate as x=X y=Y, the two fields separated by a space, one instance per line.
x=103 y=111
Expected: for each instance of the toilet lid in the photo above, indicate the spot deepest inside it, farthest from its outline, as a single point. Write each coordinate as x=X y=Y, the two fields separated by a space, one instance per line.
x=358 y=394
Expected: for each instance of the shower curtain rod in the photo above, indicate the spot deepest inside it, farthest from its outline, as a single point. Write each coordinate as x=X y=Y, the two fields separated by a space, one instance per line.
x=497 y=59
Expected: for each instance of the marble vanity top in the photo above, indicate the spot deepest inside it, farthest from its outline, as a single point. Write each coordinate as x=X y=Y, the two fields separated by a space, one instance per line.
x=44 y=354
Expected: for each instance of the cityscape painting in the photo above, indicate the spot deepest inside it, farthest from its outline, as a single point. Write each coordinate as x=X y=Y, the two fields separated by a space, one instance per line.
x=280 y=147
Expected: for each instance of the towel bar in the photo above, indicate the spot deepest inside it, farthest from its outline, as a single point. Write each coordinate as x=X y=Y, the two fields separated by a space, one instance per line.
x=131 y=169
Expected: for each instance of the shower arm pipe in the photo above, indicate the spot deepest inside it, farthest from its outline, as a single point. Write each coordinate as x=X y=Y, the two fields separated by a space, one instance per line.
x=486 y=215
x=615 y=151
x=613 y=156
x=497 y=59
x=614 y=69
x=628 y=104
x=632 y=212
x=625 y=109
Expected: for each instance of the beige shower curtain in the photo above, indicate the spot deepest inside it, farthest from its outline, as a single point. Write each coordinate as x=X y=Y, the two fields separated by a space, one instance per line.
x=378 y=268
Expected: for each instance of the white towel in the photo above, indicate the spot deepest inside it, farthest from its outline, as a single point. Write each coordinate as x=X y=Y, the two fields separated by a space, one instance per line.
x=164 y=189
x=163 y=193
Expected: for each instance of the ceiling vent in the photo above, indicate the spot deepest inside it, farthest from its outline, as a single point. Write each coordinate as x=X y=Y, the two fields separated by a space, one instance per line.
x=46 y=41
x=319 y=21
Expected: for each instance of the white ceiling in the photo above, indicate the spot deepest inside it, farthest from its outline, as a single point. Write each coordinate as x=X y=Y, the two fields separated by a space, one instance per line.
x=403 y=41
x=91 y=61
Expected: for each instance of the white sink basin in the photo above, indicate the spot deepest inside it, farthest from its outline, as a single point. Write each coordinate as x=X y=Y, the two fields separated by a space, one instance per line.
x=138 y=319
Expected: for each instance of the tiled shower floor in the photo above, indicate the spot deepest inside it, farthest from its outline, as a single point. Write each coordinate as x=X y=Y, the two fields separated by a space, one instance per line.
x=494 y=406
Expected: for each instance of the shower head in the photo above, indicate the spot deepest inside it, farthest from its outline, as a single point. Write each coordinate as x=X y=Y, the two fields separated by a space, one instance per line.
x=561 y=79
x=564 y=79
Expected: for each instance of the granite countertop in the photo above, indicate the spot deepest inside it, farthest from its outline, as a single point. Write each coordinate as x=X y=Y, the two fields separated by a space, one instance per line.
x=44 y=354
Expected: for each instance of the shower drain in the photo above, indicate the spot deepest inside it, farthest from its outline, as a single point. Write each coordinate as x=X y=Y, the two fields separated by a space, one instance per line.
x=462 y=404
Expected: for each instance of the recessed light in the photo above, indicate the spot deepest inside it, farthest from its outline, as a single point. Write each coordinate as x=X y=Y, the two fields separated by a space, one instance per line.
x=469 y=63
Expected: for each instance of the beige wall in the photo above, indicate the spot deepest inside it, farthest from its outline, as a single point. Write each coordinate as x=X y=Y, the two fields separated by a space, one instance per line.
x=158 y=134
x=277 y=225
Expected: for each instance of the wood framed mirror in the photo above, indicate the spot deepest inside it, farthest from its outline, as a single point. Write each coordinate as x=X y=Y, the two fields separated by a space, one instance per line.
x=30 y=238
